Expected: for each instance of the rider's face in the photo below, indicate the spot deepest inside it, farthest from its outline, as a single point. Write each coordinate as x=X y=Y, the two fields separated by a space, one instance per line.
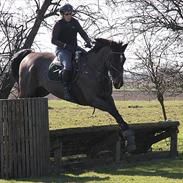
x=67 y=16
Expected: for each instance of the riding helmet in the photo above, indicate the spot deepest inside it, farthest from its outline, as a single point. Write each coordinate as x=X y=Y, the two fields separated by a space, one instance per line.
x=66 y=8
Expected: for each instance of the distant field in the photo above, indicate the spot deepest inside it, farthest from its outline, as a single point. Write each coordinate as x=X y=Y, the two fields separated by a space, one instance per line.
x=123 y=94
x=126 y=94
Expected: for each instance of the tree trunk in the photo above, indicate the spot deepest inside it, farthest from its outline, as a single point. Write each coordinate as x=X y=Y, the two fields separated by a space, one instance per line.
x=40 y=17
x=7 y=84
x=161 y=101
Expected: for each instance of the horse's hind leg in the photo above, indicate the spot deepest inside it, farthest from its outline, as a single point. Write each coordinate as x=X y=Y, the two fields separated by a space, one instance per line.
x=22 y=93
x=26 y=89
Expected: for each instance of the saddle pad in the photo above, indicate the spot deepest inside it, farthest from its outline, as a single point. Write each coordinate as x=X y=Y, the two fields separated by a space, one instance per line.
x=53 y=73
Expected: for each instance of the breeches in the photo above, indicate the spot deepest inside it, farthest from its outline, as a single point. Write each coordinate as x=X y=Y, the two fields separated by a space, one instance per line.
x=65 y=58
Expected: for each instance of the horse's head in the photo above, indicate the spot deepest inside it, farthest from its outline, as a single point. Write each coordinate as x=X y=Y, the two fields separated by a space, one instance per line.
x=115 y=60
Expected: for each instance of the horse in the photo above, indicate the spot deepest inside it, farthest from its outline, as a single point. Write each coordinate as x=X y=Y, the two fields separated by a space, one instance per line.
x=100 y=68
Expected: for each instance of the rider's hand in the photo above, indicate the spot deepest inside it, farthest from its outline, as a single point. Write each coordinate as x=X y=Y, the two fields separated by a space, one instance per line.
x=88 y=45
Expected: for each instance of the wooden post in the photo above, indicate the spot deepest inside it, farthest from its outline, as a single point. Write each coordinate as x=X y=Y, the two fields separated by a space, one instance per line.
x=118 y=150
x=173 y=143
x=58 y=156
x=24 y=138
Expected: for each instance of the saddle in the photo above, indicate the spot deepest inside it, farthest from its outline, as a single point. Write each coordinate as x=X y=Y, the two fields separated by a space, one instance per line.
x=78 y=62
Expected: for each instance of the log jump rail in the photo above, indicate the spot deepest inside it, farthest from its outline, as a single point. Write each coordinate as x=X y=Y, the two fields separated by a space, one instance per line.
x=93 y=142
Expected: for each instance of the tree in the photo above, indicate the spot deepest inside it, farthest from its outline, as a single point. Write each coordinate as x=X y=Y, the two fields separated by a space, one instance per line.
x=158 y=73
x=147 y=14
x=163 y=18
x=18 y=34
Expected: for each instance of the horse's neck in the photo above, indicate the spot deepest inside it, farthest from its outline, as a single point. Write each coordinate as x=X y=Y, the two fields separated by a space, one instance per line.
x=96 y=61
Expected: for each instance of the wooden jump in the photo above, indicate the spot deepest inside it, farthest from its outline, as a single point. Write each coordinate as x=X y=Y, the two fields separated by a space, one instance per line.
x=94 y=141
x=24 y=138
x=27 y=146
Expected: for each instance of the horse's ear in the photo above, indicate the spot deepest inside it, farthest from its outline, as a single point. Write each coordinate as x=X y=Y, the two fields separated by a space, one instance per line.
x=124 y=47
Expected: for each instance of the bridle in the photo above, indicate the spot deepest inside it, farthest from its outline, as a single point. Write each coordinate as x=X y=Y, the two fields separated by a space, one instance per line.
x=109 y=64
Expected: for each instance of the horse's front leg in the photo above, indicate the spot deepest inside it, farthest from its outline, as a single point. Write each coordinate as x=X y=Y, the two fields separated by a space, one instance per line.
x=108 y=105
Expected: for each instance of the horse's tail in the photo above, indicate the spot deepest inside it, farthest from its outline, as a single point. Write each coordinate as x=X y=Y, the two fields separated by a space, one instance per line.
x=16 y=60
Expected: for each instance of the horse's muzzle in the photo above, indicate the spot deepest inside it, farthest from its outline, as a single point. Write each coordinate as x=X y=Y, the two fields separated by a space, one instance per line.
x=118 y=84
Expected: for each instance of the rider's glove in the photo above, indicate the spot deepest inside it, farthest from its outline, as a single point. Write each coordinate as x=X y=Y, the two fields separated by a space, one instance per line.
x=88 y=45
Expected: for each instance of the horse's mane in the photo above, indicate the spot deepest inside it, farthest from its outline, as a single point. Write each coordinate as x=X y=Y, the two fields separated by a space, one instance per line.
x=100 y=43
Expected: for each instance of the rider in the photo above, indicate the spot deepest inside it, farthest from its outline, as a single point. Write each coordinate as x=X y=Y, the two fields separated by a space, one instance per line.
x=64 y=36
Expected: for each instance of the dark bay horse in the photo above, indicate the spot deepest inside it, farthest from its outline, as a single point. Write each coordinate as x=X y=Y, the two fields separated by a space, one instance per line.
x=92 y=86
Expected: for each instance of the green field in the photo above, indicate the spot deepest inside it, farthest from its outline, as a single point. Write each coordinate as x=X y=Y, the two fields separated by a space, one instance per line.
x=64 y=115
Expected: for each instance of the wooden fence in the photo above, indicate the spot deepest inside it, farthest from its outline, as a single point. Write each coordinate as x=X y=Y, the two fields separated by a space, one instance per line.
x=24 y=138
x=94 y=144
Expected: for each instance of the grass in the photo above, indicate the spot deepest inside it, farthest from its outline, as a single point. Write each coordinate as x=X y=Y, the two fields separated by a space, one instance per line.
x=163 y=171
x=65 y=115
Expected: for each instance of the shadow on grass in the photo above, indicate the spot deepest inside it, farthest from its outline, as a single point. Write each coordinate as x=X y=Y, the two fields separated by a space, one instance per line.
x=168 y=168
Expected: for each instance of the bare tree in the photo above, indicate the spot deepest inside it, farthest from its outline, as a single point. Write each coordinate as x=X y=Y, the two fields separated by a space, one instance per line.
x=163 y=18
x=148 y=14
x=157 y=73
x=17 y=34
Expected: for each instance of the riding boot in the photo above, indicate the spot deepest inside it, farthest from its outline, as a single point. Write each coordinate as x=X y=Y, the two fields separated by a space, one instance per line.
x=67 y=94
x=66 y=77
